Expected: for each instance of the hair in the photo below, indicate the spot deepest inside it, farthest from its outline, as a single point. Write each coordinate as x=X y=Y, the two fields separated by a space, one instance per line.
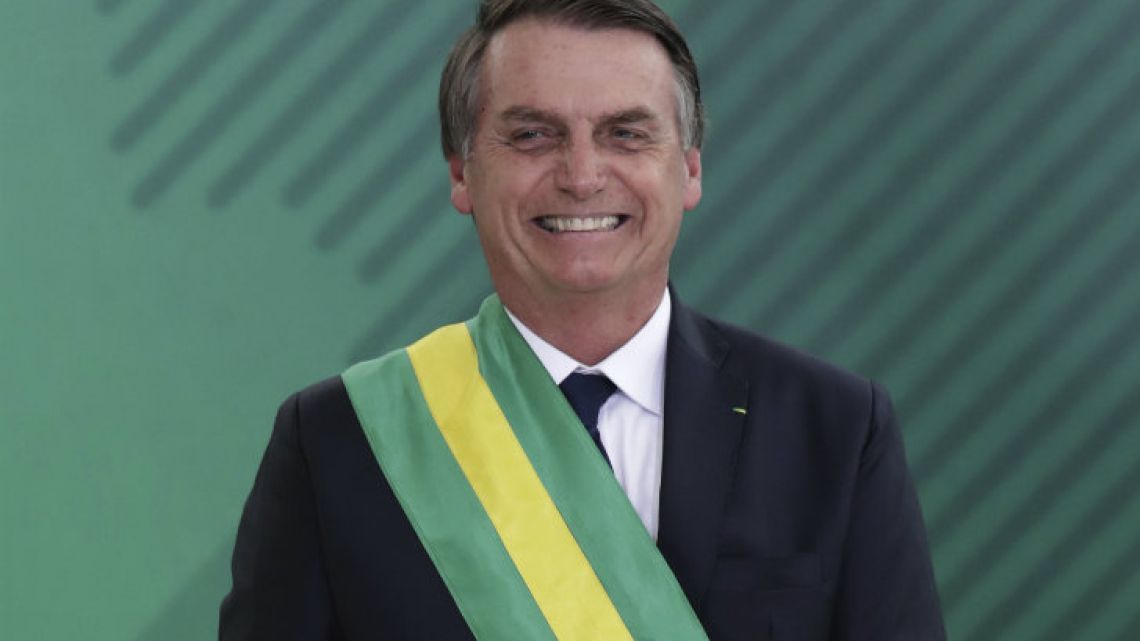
x=459 y=84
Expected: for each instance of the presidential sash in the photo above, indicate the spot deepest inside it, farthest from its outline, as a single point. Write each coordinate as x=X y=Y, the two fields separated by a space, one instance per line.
x=522 y=517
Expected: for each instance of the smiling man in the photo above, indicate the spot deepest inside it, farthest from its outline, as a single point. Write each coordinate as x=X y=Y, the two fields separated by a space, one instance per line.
x=586 y=458
x=578 y=171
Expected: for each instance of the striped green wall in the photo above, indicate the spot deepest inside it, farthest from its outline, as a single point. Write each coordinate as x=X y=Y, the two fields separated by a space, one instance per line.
x=205 y=204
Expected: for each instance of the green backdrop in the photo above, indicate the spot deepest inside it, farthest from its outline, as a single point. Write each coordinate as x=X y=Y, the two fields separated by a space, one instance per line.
x=207 y=204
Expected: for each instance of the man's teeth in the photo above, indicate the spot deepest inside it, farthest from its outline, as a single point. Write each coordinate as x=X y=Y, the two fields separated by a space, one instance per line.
x=575 y=223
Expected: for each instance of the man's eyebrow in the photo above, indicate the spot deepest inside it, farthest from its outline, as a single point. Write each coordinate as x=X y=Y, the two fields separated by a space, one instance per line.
x=529 y=114
x=630 y=116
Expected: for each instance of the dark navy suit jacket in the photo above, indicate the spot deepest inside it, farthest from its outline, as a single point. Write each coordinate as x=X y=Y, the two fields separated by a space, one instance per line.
x=796 y=520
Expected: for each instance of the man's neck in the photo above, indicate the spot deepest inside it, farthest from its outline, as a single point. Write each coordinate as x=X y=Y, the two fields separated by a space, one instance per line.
x=586 y=327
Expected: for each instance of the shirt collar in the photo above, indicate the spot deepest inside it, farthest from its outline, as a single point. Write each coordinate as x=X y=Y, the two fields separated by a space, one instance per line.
x=637 y=367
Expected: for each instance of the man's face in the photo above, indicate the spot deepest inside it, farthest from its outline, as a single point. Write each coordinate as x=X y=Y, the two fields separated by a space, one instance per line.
x=577 y=175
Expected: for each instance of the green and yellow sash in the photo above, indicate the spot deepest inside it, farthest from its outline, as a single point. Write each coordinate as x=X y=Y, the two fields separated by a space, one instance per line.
x=521 y=516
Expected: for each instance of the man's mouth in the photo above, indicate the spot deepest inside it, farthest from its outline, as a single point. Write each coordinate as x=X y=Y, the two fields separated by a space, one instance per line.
x=560 y=224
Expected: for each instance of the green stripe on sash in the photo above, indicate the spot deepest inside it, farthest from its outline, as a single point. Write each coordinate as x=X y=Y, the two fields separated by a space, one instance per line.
x=440 y=505
x=583 y=487
x=520 y=509
x=437 y=493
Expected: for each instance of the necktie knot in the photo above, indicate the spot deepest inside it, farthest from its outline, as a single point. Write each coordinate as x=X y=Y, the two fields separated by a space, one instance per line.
x=586 y=394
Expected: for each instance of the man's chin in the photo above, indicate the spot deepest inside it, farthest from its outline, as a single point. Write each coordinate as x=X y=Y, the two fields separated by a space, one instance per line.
x=594 y=282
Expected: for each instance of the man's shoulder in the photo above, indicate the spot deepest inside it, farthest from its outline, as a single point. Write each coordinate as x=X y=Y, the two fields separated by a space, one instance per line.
x=332 y=393
x=779 y=366
x=321 y=403
x=324 y=393
x=800 y=397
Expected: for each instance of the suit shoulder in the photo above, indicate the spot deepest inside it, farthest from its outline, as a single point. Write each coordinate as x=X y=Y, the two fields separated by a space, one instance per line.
x=804 y=398
x=329 y=402
x=779 y=366
x=332 y=394
x=322 y=396
x=318 y=411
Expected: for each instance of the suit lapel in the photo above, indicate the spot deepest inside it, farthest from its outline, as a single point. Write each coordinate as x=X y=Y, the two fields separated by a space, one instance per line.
x=702 y=432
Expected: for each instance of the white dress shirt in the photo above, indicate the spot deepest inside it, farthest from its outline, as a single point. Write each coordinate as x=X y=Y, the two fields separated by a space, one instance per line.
x=631 y=420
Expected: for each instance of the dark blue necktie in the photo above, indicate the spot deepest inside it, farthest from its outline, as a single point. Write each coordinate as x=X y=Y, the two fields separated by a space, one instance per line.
x=587 y=393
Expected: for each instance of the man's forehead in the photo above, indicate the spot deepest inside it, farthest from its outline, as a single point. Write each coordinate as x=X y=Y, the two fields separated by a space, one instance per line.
x=522 y=40
x=540 y=66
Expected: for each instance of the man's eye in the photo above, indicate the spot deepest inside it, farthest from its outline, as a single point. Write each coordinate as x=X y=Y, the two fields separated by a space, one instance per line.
x=627 y=136
x=531 y=139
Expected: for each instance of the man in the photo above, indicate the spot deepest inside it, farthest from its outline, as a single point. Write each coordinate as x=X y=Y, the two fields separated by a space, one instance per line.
x=697 y=481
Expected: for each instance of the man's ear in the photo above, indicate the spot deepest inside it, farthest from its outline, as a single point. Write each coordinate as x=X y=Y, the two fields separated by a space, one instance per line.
x=692 y=178
x=460 y=197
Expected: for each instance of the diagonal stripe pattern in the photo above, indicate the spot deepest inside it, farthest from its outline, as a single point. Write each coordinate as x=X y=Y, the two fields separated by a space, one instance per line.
x=941 y=195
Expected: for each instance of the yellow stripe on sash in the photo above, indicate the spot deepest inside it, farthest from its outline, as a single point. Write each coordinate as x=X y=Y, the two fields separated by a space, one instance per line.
x=533 y=532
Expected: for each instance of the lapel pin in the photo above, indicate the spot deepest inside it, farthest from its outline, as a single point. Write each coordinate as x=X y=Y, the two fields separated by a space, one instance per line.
x=740 y=410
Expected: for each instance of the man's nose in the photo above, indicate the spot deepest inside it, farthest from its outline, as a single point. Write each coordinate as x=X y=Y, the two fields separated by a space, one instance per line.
x=583 y=170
